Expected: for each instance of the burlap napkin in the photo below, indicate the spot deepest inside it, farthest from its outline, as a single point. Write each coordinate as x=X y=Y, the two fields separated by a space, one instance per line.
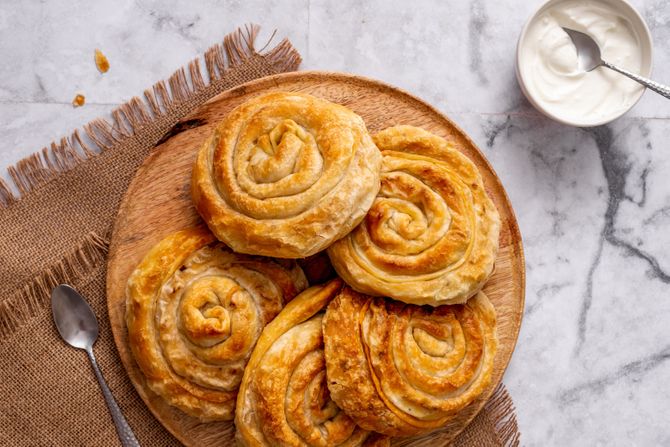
x=58 y=230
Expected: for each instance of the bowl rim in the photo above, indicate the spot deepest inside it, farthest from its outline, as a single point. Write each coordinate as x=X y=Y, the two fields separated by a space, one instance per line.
x=645 y=40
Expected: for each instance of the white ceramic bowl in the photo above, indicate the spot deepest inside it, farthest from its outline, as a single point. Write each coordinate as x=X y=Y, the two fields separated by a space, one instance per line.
x=646 y=45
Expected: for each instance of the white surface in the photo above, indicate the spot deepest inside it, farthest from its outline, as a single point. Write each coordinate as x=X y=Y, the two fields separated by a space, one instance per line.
x=592 y=366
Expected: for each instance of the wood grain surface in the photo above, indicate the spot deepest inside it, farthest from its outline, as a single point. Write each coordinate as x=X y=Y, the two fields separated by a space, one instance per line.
x=158 y=202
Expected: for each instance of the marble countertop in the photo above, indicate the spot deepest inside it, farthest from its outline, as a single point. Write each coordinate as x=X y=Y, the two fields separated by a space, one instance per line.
x=592 y=365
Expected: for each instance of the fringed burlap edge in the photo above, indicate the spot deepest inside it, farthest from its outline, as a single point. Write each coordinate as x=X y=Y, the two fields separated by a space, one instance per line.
x=165 y=96
x=23 y=304
x=500 y=409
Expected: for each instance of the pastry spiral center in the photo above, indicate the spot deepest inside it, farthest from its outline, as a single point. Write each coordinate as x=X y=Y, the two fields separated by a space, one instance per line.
x=435 y=345
x=205 y=319
x=405 y=219
x=408 y=216
x=287 y=148
x=284 y=161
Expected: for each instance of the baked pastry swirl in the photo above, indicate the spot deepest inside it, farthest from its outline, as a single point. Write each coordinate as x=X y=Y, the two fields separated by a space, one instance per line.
x=401 y=369
x=194 y=311
x=283 y=398
x=431 y=236
x=285 y=175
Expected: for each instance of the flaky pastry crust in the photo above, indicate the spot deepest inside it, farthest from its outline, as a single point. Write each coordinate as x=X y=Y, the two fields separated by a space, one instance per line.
x=285 y=175
x=431 y=236
x=283 y=399
x=194 y=311
x=401 y=369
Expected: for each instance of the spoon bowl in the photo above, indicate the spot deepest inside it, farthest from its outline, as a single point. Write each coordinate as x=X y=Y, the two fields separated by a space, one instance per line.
x=74 y=318
x=588 y=51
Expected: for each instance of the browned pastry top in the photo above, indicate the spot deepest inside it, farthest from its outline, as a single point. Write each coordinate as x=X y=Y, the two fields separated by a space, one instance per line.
x=284 y=400
x=431 y=236
x=194 y=311
x=402 y=369
x=285 y=175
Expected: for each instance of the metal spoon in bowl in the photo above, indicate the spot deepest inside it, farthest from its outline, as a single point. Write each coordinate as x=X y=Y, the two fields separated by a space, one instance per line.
x=78 y=326
x=588 y=55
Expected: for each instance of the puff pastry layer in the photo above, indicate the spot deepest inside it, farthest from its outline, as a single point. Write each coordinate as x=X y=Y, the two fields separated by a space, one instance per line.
x=401 y=369
x=285 y=175
x=194 y=311
x=431 y=236
x=283 y=398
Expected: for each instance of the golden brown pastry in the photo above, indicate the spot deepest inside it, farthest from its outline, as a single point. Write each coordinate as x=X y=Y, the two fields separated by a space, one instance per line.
x=431 y=236
x=194 y=311
x=285 y=175
x=283 y=398
x=401 y=369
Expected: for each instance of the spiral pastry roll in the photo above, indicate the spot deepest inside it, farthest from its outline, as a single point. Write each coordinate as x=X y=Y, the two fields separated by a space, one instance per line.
x=283 y=399
x=194 y=311
x=401 y=369
x=431 y=236
x=285 y=175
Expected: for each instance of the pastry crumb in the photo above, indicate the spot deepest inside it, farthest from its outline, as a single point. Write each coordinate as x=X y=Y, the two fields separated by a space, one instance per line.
x=79 y=100
x=101 y=61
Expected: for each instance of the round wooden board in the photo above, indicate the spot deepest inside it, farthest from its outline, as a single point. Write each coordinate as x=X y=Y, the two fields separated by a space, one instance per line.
x=158 y=202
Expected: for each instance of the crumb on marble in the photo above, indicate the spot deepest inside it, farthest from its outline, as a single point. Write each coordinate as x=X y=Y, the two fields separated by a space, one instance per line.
x=101 y=61
x=79 y=100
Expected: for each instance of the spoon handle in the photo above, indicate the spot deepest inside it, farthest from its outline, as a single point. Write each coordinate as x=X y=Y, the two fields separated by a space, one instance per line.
x=126 y=434
x=651 y=85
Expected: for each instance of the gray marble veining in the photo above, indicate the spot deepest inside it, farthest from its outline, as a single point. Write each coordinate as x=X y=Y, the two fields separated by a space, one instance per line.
x=592 y=366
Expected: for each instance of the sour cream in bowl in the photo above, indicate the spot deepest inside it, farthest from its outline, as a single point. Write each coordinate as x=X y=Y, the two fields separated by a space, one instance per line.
x=548 y=71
